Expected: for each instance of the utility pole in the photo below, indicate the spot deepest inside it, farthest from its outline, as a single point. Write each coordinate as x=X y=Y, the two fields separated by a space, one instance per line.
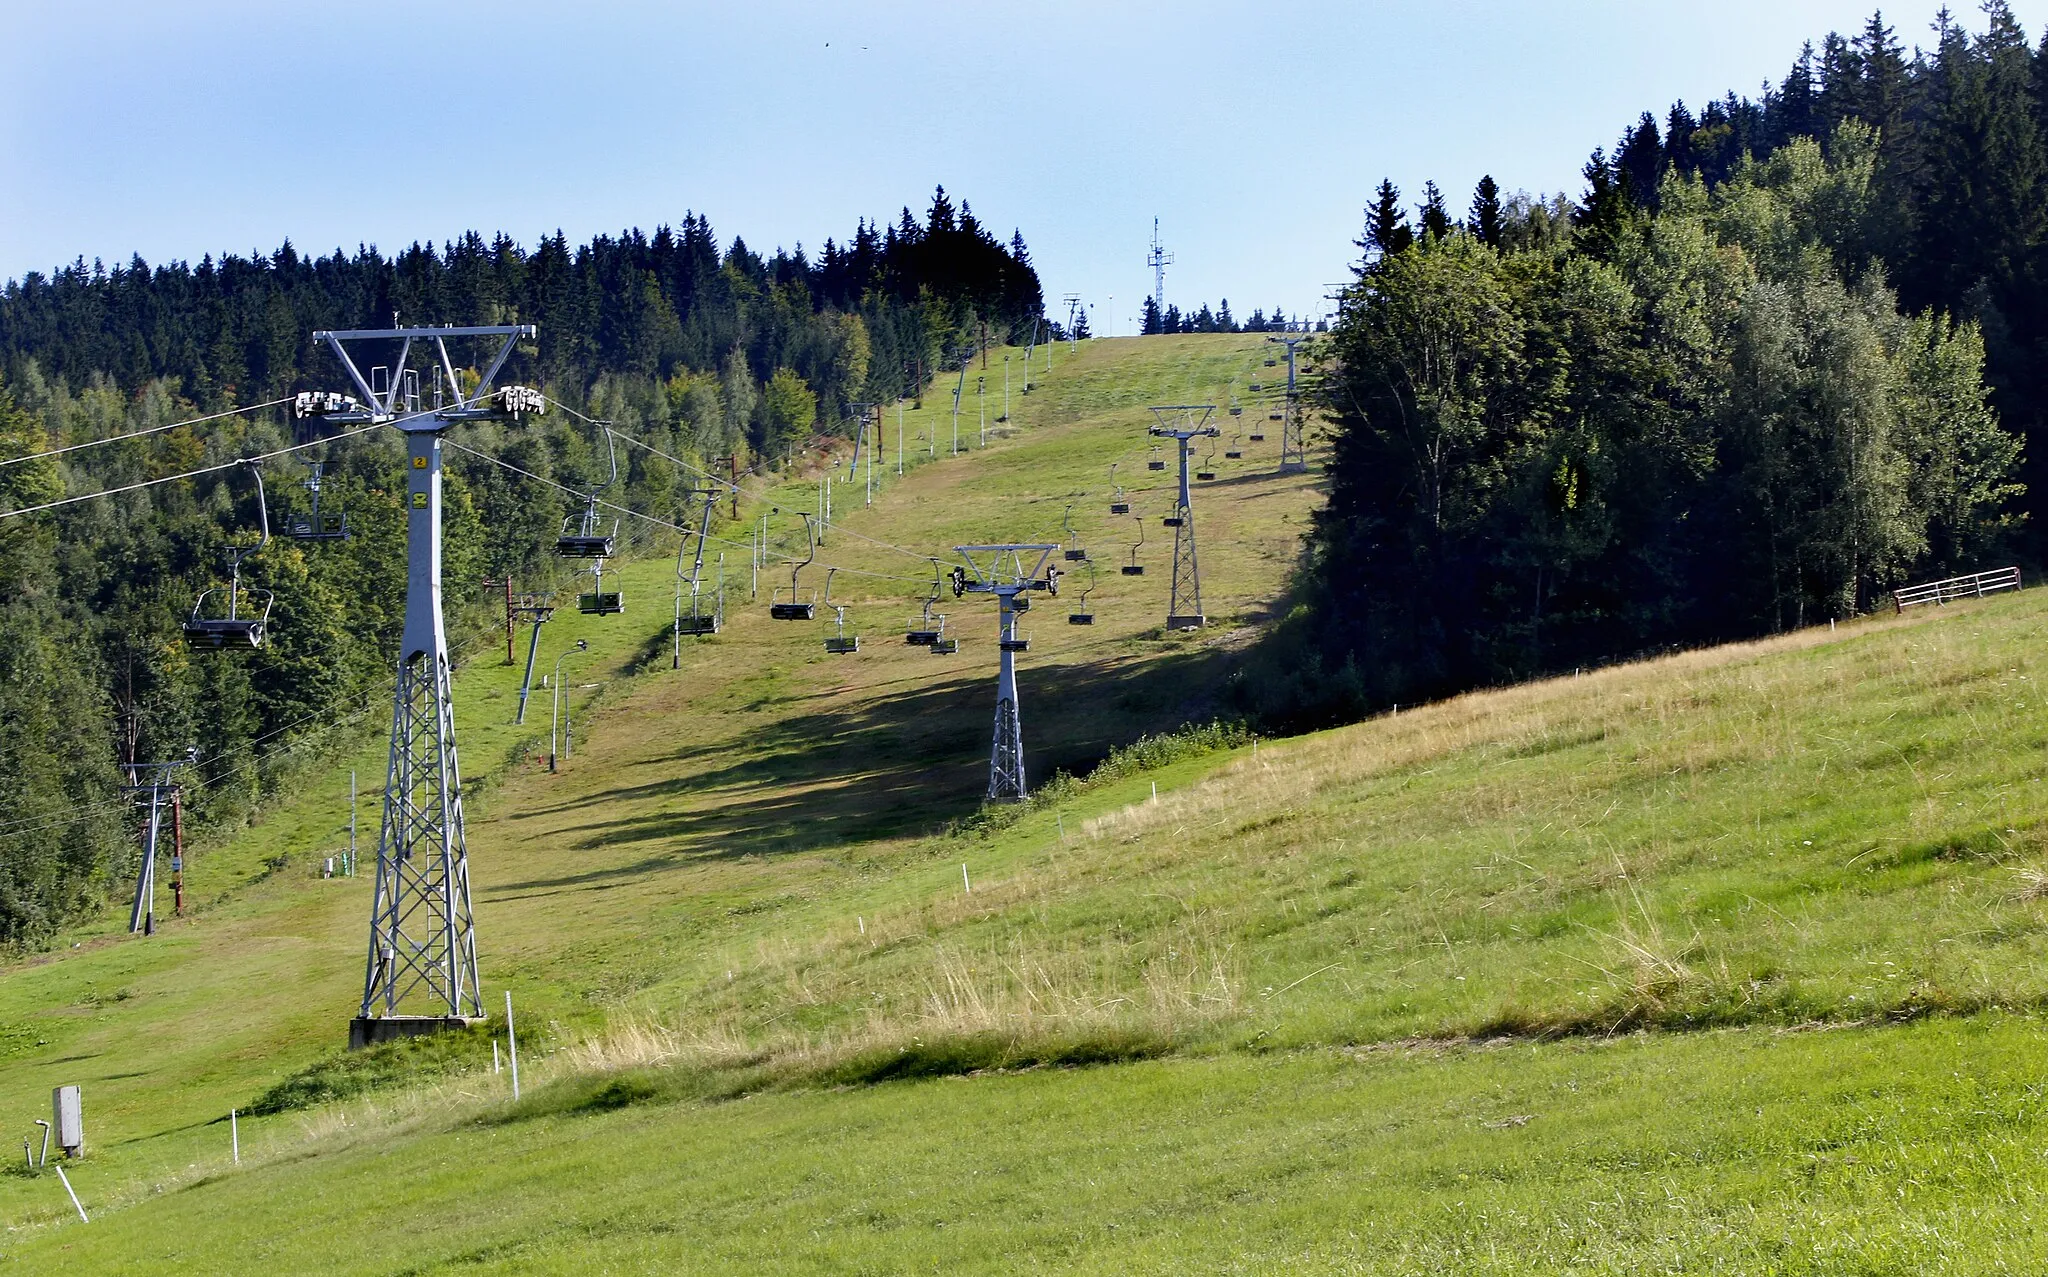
x=151 y=783
x=1293 y=453
x=1184 y=607
x=899 y=437
x=422 y=950
x=981 y=409
x=1005 y=575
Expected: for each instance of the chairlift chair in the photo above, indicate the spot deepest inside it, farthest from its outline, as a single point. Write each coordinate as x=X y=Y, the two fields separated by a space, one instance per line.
x=317 y=524
x=1155 y=462
x=1118 y=504
x=1073 y=553
x=699 y=622
x=796 y=608
x=248 y=617
x=1081 y=615
x=1204 y=473
x=599 y=601
x=927 y=629
x=1135 y=568
x=945 y=647
x=583 y=535
x=840 y=643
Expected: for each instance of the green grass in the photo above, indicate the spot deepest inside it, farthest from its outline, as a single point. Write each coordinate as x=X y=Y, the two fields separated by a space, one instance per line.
x=1753 y=937
x=1913 y=1149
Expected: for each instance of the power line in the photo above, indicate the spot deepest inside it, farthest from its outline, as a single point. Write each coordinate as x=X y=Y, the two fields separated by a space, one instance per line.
x=137 y=434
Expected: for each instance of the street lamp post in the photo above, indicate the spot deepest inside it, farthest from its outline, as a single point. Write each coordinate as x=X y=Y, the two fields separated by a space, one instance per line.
x=555 y=722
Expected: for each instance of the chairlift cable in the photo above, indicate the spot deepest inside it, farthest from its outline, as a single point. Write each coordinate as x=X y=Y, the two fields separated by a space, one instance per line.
x=660 y=523
x=192 y=474
x=137 y=434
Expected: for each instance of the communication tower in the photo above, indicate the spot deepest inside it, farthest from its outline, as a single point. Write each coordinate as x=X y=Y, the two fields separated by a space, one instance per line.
x=1159 y=259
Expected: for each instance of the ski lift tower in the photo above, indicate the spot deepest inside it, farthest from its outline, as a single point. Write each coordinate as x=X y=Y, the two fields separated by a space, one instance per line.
x=1293 y=455
x=1002 y=570
x=420 y=975
x=1179 y=422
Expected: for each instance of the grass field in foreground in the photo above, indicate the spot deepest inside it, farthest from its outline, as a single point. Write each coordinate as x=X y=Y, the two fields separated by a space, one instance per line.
x=1913 y=1149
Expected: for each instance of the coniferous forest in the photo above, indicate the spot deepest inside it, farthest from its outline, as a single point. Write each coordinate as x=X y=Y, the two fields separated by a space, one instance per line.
x=1779 y=356
x=702 y=351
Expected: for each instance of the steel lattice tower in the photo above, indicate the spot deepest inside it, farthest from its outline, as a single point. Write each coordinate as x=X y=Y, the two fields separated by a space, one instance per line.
x=1007 y=577
x=1293 y=453
x=421 y=975
x=1158 y=259
x=1184 y=605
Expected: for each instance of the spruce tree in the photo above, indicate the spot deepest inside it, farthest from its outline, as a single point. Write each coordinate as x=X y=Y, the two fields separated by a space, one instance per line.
x=1386 y=224
x=1486 y=221
x=1639 y=163
x=1149 y=325
x=1679 y=127
x=1435 y=219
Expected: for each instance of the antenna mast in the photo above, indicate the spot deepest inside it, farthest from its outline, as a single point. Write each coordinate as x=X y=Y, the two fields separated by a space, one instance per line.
x=1158 y=260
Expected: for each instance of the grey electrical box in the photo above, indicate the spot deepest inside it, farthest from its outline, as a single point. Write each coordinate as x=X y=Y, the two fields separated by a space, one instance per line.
x=68 y=1116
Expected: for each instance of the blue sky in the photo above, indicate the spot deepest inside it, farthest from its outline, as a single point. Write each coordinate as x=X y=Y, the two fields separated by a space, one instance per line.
x=1255 y=133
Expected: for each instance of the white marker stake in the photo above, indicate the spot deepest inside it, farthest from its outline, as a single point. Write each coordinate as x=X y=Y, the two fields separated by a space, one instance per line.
x=512 y=1041
x=965 y=885
x=863 y=923
x=1155 y=791
x=74 y=1196
x=496 y=1067
x=235 y=1136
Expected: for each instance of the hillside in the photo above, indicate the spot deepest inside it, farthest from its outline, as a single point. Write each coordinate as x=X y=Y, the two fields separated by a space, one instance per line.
x=1728 y=961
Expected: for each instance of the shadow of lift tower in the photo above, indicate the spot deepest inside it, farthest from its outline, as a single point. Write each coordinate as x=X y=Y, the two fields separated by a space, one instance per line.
x=1184 y=605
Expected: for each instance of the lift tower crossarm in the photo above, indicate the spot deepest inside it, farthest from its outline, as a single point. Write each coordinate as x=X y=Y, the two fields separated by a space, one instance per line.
x=1002 y=570
x=467 y=407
